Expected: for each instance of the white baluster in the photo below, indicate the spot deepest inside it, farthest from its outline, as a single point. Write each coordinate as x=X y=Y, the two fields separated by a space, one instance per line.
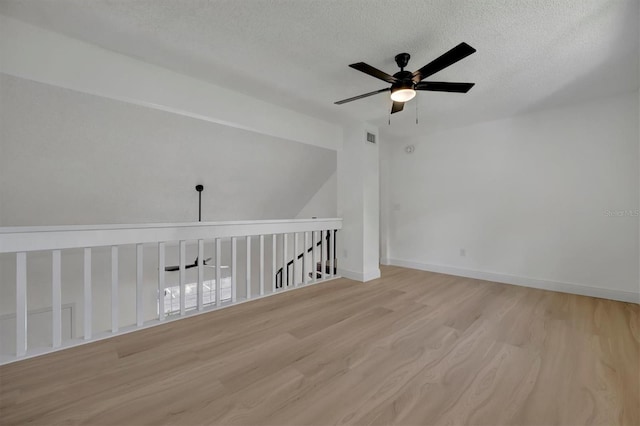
x=305 y=271
x=200 y=273
x=88 y=308
x=323 y=254
x=248 y=292
x=314 y=267
x=285 y=257
x=261 y=265
x=296 y=249
x=274 y=243
x=332 y=256
x=183 y=291
x=161 y=279
x=139 y=285
x=218 y=273
x=56 y=298
x=115 y=311
x=233 y=268
x=21 y=304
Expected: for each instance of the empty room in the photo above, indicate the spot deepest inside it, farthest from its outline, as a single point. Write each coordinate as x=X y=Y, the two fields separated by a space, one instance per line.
x=320 y=212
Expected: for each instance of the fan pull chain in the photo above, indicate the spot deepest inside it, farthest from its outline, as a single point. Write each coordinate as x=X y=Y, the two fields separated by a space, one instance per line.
x=416 y=111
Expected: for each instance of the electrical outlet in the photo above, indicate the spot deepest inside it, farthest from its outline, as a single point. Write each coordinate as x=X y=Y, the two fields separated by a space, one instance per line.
x=345 y=253
x=463 y=252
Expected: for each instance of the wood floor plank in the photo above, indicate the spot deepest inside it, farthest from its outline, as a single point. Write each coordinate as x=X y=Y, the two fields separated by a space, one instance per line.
x=410 y=348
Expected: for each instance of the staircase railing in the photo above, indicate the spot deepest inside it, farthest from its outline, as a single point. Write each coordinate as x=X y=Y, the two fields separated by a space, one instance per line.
x=324 y=268
x=97 y=295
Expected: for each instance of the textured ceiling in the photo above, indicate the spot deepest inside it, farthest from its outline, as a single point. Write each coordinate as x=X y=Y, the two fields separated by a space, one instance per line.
x=531 y=54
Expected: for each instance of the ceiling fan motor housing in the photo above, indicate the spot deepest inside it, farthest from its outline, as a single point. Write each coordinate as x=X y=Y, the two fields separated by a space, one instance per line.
x=405 y=80
x=402 y=59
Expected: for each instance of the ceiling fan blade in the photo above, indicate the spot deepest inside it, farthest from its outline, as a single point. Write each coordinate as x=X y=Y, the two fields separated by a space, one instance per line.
x=355 y=98
x=397 y=107
x=459 y=52
x=439 y=86
x=374 y=72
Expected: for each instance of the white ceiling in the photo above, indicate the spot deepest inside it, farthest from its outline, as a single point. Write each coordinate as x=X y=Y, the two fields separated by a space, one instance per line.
x=531 y=54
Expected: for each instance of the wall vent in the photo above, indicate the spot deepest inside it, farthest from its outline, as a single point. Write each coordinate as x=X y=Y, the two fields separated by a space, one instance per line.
x=371 y=137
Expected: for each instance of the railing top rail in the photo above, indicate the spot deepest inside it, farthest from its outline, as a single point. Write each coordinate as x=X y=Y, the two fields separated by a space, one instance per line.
x=34 y=238
x=14 y=229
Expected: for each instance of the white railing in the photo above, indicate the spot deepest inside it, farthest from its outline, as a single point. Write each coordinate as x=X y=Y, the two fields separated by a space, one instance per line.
x=269 y=245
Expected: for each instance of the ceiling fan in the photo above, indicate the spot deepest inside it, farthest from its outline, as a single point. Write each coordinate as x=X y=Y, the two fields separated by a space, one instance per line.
x=405 y=83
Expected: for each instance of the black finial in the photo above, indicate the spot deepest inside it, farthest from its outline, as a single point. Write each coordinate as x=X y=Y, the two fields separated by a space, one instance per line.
x=199 y=188
x=402 y=59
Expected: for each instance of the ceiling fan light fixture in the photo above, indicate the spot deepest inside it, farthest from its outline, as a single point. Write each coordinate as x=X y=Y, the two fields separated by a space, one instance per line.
x=402 y=94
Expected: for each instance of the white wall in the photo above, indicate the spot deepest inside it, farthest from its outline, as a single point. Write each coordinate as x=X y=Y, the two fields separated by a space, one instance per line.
x=371 y=207
x=324 y=202
x=73 y=158
x=527 y=199
x=41 y=55
x=358 y=205
x=156 y=107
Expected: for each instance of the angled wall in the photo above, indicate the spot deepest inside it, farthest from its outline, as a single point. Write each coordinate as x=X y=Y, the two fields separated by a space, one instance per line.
x=47 y=57
x=74 y=158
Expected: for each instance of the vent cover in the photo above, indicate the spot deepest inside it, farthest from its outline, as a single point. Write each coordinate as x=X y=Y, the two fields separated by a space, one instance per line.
x=371 y=137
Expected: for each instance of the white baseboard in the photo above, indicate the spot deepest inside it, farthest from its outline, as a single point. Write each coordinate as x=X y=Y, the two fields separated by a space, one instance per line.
x=359 y=276
x=563 y=287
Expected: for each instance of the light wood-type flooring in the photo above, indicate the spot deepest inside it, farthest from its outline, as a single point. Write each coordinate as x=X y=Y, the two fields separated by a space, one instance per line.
x=411 y=348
